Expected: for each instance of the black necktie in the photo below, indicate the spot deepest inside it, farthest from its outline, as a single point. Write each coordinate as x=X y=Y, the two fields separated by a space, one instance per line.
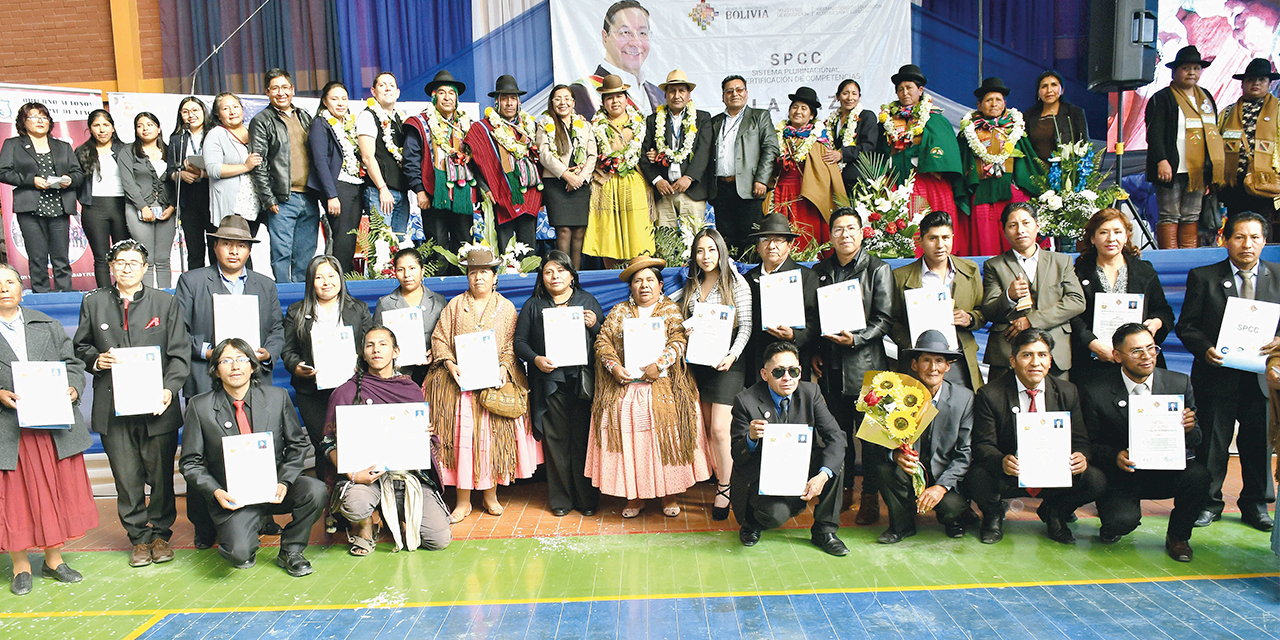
x=783 y=408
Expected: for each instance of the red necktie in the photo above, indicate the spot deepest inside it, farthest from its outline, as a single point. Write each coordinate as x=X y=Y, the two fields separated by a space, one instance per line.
x=1031 y=393
x=242 y=418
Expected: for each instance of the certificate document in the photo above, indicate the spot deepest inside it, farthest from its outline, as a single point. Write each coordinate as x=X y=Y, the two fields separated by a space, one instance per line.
x=643 y=340
x=406 y=324
x=334 y=352
x=236 y=317
x=477 y=355
x=137 y=381
x=1156 y=439
x=565 y=333
x=781 y=300
x=43 y=402
x=931 y=309
x=387 y=437
x=1044 y=449
x=250 y=465
x=784 y=459
x=1110 y=310
x=709 y=341
x=1247 y=325
x=840 y=307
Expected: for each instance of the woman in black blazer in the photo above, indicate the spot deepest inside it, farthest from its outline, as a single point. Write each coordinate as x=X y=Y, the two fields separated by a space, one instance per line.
x=102 y=194
x=1110 y=263
x=45 y=175
x=853 y=130
x=336 y=172
x=1052 y=121
x=190 y=181
x=327 y=302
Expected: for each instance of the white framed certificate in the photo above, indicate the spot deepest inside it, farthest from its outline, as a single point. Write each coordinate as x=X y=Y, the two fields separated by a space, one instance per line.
x=1156 y=438
x=250 y=466
x=931 y=309
x=387 y=437
x=406 y=324
x=840 y=307
x=1111 y=310
x=784 y=459
x=1247 y=325
x=564 y=332
x=137 y=380
x=334 y=352
x=236 y=317
x=711 y=335
x=1044 y=449
x=643 y=340
x=41 y=388
x=477 y=355
x=782 y=300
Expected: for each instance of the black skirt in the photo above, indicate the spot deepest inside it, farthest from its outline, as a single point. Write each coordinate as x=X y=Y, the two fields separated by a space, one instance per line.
x=719 y=387
x=566 y=208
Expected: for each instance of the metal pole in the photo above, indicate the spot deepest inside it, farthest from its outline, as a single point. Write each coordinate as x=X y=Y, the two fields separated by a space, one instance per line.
x=981 y=36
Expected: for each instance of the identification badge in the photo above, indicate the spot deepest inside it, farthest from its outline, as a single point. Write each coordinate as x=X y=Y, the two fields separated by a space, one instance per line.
x=1194 y=123
x=1232 y=135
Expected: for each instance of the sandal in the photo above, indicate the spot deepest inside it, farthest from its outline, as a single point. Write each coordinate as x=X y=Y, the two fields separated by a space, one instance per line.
x=632 y=509
x=720 y=513
x=671 y=510
x=360 y=547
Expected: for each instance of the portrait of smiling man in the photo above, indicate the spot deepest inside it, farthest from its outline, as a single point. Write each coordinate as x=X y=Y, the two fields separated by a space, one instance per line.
x=625 y=38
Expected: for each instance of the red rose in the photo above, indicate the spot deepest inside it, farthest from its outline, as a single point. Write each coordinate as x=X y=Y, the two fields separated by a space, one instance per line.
x=871 y=399
x=891 y=228
x=875 y=217
x=868 y=232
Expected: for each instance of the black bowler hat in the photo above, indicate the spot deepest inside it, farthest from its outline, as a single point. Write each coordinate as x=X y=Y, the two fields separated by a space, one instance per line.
x=932 y=341
x=506 y=85
x=1188 y=55
x=443 y=77
x=990 y=85
x=774 y=224
x=1258 y=68
x=909 y=72
x=807 y=96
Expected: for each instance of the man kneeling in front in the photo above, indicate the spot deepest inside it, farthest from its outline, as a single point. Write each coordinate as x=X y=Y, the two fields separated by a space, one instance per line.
x=239 y=405
x=780 y=397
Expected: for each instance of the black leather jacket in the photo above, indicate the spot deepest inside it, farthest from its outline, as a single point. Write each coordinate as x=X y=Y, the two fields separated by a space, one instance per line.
x=269 y=137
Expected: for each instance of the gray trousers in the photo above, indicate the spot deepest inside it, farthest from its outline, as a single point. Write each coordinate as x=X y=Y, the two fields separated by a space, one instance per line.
x=157 y=237
x=361 y=500
x=1176 y=204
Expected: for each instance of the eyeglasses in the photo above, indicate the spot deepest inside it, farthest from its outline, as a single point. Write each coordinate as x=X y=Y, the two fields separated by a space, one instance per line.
x=236 y=360
x=128 y=265
x=627 y=34
x=779 y=372
x=844 y=231
x=767 y=240
x=38 y=119
x=1151 y=351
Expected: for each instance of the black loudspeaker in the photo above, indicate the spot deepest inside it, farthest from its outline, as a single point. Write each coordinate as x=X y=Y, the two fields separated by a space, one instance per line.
x=1122 y=51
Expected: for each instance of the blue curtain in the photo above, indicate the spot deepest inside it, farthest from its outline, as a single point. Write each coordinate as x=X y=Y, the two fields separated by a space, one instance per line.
x=405 y=37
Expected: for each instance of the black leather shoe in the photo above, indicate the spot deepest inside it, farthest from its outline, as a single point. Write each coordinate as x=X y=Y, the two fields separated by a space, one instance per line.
x=1058 y=531
x=588 y=512
x=894 y=537
x=831 y=544
x=270 y=528
x=294 y=563
x=993 y=525
x=204 y=543
x=248 y=564
x=1207 y=518
x=64 y=573
x=1257 y=519
x=21 y=584
x=954 y=530
x=749 y=536
x=1179 y=550
x=560 y=513
x=868 y=509
x=1108 y=538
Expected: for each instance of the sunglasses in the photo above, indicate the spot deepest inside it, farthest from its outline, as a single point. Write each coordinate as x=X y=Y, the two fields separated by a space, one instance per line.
x=779 y=372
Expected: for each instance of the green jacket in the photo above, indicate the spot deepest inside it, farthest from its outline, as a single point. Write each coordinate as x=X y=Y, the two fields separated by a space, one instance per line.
x=972 y=191
x=937 y=151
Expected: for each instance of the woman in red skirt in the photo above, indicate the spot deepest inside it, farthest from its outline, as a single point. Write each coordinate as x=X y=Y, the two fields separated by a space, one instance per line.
x=806 y=185
x=45 y=498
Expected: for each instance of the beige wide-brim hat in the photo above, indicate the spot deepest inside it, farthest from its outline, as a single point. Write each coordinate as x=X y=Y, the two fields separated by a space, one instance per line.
x=677 y=76
x=638 y=264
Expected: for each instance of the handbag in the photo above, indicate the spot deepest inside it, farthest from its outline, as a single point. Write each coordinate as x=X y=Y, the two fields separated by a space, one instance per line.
x=509 y=401
x=1262 y=184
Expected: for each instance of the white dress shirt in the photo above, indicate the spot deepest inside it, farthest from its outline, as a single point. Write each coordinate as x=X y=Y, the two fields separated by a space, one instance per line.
x=1024 y=400
x=931 y=281
x=1133 y=387
x=725 y=144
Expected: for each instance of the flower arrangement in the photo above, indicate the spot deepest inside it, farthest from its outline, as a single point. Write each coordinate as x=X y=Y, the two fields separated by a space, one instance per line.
x=379 y=245
x=1012 y=132
x=1072 y=190
x=917 y=117
x=674 y=244
x=515 y=258
x=624 y=160
x=897 y=409
x=890 y=214
x=667 y=156
x=520 y=146
x=384 y=122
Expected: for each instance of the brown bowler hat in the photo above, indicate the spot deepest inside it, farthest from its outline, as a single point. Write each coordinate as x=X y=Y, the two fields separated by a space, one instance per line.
x=612 y=84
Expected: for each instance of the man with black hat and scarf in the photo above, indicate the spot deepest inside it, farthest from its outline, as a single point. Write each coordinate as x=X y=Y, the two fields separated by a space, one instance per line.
x=437 y=163
x=503 y=150
x=1249 y=138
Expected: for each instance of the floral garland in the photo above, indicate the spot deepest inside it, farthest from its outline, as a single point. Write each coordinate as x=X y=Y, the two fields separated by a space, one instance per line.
x=620 y=161
x=796 y=155
x=505 y=134
x=441 y=134
x=666 y=156
x=850 y=134
x=384 y=121
x=577 y=129
x=1015 y=134
x=346 y=140
x=919 y=115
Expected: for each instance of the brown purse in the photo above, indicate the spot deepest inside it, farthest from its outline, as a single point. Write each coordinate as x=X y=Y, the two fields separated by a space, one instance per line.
x=509 y=401
x=1263 y=184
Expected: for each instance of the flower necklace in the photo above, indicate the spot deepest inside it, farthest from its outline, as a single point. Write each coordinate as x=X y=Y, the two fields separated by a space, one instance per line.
x=577 y=129
x=384 y=121
x=848 y=135
x=666 y=156
x=620 y=161
x=1016 y=130
x=442 y=132
x=808 y=136
x=919 y=115
x=346 y=131
x=505 y=134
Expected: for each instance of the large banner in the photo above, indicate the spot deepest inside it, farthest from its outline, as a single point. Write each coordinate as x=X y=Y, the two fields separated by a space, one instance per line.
x=776 y=45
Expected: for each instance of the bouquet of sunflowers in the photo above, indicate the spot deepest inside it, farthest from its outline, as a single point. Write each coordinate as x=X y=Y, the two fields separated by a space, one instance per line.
x=896 y=409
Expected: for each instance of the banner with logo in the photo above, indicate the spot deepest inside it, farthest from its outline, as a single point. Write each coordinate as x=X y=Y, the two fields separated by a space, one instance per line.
x=776 y=46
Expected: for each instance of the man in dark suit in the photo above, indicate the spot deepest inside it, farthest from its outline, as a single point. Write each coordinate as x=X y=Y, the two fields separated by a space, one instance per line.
x=782 y=398
x=842 y=360
x=943 y=449
x=1231 y=395
x=677 y=153
x=1106 y=398
x=242 y=406
x=773 y=238
x=993 y=478
x=743 y=148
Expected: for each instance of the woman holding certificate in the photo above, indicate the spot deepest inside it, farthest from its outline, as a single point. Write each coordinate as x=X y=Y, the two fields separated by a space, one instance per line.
x=412 y=293
x=477 y=390
x=705 y=295
x=646 y=436
x=47 y=497
x=554 y=334
x=1111 y=272
x=325 y=310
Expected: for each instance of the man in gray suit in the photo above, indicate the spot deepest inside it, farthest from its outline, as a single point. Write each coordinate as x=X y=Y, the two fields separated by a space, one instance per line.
x=943 y=449
x=1028 y=287
x=743 y=148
